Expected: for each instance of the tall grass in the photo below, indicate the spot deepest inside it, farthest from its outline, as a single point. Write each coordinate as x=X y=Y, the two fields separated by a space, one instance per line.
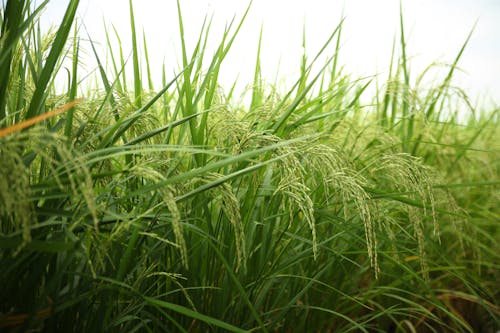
x=177 y=211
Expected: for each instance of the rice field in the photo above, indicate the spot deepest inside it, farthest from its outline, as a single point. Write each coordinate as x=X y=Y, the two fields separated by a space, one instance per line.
x=191 y=209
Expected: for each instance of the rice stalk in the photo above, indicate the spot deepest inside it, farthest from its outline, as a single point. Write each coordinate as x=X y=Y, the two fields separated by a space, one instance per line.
x=167 y=195
x=44 y=151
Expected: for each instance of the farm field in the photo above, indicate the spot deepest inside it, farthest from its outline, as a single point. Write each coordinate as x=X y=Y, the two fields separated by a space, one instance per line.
x=188 y=208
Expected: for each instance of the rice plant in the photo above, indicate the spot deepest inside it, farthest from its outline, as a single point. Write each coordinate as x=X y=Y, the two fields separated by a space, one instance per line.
x=134 y=209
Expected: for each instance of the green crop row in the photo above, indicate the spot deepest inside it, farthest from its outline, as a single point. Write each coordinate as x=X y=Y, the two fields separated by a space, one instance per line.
x=310 y=211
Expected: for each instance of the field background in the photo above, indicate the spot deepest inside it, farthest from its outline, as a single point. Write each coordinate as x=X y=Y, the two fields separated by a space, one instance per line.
x=435 y=32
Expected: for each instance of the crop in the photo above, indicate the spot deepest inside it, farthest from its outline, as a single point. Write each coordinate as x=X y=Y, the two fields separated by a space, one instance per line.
x=179 y=210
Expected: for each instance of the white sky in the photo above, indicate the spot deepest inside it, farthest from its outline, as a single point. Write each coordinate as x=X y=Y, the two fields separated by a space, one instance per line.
x=435 y=29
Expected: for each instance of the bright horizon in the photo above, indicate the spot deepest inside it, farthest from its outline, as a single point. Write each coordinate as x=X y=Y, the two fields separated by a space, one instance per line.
x=435 y=32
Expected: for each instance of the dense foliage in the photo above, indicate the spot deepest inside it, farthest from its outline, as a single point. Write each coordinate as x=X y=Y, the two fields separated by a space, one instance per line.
x=183 y=210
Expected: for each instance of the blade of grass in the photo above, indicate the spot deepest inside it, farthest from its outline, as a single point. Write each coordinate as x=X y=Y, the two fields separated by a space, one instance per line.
x=32 y=121
x=9 y=37
x=257 y=92
x=38 y=99
x=148 y=66
x=73 y=86
x=193 y=314
x=135 y=61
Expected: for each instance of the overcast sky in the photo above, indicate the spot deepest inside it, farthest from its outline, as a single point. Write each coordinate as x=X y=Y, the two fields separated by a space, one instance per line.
x=436 y=30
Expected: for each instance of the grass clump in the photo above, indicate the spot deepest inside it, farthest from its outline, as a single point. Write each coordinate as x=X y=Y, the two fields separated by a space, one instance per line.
x=175 y=210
